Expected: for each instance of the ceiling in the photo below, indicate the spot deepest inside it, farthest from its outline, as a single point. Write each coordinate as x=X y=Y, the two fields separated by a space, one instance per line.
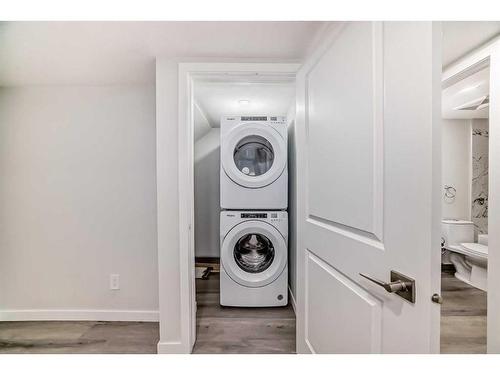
x=468 y=92
x=51 y=53
x=217 y=99
x=460 y=38
x=36 y=53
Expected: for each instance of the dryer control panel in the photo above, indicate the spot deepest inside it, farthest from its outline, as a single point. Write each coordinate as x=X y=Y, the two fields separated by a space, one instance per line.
x=269 y=119
x=272 y=216
x=254 y=215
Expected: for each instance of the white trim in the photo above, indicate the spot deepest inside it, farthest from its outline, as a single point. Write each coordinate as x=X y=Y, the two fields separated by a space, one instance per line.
x=93 y=315
x=292 y=300
x=174 y=347
x=493 y=323
x=186 y=208
x=187 y=72
x=474 y=58
x=470 y=172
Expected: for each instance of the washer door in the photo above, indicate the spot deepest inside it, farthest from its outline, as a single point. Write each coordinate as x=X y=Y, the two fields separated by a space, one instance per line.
x=254 y=253
x=254 y=155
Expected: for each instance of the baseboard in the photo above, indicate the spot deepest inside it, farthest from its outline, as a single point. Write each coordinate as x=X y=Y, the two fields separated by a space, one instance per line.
x=101 y=315
x=175 y=347
x=292 y=300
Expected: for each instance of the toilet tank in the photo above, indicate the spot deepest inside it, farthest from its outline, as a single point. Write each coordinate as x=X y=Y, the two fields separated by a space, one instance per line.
x=482 y=239
x=455 y=232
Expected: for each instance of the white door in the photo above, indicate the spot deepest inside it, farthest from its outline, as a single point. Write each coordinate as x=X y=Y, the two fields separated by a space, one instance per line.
x=368 y=172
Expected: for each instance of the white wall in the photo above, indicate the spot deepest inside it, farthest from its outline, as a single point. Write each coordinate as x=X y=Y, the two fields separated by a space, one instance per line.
x=201 y=124
x=456 y=167
x=78 y=202
x=207 y=194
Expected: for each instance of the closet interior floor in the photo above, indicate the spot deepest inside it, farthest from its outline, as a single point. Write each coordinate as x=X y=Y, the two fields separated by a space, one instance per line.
x=237 y=329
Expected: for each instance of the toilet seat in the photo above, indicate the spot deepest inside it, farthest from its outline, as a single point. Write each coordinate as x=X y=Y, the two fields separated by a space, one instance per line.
x=475 y=249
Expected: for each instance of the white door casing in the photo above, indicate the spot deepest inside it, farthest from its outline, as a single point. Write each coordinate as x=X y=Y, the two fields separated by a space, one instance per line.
x=488 y=55
x=368 y=146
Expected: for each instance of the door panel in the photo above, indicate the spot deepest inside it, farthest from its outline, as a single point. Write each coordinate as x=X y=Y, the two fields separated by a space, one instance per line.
x=344 y=126
x=362 y=312
x=366 y=176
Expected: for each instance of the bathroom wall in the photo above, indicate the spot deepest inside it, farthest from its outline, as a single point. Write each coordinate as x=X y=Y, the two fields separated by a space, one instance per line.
x=78 y=202
x=479 y=191
x=456 y=168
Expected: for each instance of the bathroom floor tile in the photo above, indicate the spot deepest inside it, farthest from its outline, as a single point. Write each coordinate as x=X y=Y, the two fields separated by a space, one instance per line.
x=463 y=317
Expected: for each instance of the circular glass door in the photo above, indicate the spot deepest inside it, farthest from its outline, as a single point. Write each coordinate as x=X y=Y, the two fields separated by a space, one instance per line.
x=254 y=253
x=253 y=155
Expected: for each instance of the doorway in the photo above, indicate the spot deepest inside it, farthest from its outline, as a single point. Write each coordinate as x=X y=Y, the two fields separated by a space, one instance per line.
x=471 y=111
x=215 y=90
x=465 y=171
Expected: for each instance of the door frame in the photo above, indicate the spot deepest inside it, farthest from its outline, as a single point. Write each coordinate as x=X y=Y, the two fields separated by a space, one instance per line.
x=482 y=57
x=188 y=74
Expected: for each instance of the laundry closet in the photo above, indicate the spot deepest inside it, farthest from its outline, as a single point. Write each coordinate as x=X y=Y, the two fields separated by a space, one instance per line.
x=243 y=185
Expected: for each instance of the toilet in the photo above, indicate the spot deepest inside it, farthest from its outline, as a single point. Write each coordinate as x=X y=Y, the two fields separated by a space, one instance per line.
x=469 y=258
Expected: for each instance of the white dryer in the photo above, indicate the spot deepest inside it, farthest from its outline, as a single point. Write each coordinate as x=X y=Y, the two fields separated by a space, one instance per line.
x=254 y=173
x=254 y=258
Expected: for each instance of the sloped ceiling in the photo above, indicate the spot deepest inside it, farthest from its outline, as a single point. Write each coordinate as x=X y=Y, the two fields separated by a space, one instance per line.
x=34 y=53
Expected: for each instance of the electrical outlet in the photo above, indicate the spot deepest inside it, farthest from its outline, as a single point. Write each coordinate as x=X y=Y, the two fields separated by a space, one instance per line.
x=114 y=281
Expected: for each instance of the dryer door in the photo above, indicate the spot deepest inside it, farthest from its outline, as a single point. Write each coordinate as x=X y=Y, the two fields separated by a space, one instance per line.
x=253 y=155
x=254 y=253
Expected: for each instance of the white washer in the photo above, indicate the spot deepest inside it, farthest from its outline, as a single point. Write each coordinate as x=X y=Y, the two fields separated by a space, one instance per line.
x=254 y=258
x=253 y=172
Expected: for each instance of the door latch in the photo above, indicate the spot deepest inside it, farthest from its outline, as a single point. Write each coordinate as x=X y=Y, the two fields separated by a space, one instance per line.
x=400 y=284
x=436 y=298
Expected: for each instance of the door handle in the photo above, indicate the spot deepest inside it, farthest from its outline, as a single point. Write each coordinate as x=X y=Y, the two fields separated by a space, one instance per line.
x=391 y=287
x=400 y=284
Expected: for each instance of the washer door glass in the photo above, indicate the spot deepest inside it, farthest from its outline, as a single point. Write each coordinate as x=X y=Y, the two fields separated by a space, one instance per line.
x=254 y=253
x=253 y=155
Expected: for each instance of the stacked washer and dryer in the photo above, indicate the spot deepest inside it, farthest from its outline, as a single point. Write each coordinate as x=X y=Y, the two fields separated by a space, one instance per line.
x=254 y=220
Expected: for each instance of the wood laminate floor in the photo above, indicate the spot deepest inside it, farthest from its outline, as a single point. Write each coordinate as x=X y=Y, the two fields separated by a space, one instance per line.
x=233 y=330
x=240 y=330
x=463 y=317
x=78 y=337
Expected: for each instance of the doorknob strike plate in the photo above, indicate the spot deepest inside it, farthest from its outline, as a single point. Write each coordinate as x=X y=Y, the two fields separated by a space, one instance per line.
x=410 y=293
